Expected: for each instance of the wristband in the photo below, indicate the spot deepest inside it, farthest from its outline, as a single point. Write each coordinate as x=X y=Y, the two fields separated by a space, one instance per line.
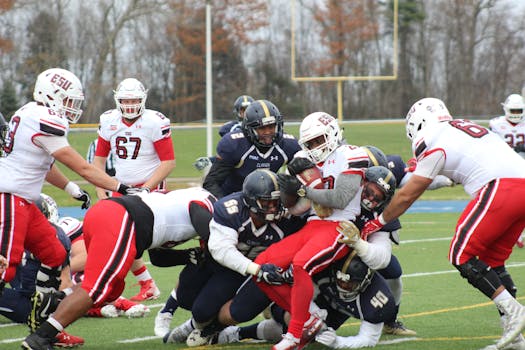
x=381 y=219
x=253 y=268
x=73 y=189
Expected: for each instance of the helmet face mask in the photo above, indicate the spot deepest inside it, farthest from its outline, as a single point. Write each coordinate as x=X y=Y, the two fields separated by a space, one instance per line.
x=427 y=111
x=379 y=188
x=258 y=118
x=262 y=196
x=61 y=91
x=130 y=98
x=239 y=106
x=353 y=278
x=319 y=136
x=514 y=107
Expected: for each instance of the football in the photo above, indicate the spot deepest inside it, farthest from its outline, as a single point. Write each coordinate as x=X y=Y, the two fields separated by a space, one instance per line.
x=311 y=177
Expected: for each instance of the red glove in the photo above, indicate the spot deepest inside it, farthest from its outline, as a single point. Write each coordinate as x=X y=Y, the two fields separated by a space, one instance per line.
x=371 y=227
x=411 y=165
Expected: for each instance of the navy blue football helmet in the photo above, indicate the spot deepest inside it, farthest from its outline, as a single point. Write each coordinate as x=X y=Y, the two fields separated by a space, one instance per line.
x=261 y=194
x=258 y=114
x=376 y=156
x=353 y=277
x=241 y=103
x=385 y=180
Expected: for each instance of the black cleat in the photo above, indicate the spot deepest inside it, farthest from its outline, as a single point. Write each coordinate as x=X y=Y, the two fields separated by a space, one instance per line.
x=42 y=306
x=36 y=342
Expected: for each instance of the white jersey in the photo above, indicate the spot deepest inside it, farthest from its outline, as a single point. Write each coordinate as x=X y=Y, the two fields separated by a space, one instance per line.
x=71 y=226
x=24 y=167
x=473 y=155
x=133 y=146
x=513 y=134
x=172 y=223
x=341 y=161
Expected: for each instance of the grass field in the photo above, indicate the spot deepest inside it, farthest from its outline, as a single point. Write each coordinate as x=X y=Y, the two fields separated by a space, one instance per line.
x=445 y=311
x=442 y=307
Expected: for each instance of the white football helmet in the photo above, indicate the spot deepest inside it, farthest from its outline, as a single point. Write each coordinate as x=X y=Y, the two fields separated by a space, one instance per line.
x=315 y=125
x=424 y=112
x=60 y=90
x=131 y=89
x=48 y=207
x=514 y=107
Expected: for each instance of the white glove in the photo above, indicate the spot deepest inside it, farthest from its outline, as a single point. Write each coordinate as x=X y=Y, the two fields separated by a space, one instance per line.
x=327 y=338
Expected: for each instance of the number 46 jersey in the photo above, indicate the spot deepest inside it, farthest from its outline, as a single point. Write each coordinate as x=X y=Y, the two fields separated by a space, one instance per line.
x=135 y=147
x=473 y=155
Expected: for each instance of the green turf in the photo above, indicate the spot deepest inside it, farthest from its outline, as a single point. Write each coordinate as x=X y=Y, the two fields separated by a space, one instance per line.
x=442 y=307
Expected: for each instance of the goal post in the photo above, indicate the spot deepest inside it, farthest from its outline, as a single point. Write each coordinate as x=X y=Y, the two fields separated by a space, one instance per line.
x=341 y=79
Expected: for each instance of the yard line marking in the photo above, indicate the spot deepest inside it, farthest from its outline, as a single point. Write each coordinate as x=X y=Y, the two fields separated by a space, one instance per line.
x=12 y=340
x=11 y=325
x=425 y=240
x=135 y=340
x=396 y=341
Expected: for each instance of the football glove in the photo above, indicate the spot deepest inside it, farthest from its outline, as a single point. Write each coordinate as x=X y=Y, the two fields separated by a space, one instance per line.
x=196 y=256
x=321 y=210
x=288 y=275
x=271 y=274
x=289 y=184
x=125 y=190
x=79 y=194
x=371 y=227
x=411 y=165
x=84 y=198
x=298 y=165
x=327 y=337
x=350 y=233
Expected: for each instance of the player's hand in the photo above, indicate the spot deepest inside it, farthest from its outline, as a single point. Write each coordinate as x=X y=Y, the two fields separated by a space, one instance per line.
x=321 y=210
x=196 y=256
x=288 y=275
x=298 y=165
x=519 y=148
x=291 y=185
x=327 y=337
x=411 y=165
x=85 y=198
x=371 y=227
x=271 y=274
x=125 y=189
x=350 y=233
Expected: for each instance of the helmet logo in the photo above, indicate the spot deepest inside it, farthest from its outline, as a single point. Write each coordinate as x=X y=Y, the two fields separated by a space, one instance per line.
x=325 y=119
x=383 y=183
x=61 y=81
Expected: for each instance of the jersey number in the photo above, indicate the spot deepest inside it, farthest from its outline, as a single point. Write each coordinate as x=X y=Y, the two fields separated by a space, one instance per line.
x=379 y=300
x=469 y=128
x=232 y=206
x=514 y=140
x=122 y=151
x=10 y=136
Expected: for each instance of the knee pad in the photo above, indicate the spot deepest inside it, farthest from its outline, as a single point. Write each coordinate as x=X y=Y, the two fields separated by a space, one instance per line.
x=480 y=275
x=506 y=280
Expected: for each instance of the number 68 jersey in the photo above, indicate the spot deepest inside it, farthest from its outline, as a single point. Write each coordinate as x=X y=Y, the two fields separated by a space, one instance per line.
x=465 y=152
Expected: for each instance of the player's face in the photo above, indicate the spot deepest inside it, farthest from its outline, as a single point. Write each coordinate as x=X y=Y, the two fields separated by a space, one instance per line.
x=372 y=196
x=242 y=110
x=270 y=206
x=266 y=133
x=130 y=105
x=315 y=142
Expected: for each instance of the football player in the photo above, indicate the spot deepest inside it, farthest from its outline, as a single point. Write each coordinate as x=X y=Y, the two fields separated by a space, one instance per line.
x=261 y=144
x=239 y=107
x=137 y=223
x=140 y=140
x=244 y=224
x=37 y=136
x=493 y=175
x=511 y=128
x=307 y=251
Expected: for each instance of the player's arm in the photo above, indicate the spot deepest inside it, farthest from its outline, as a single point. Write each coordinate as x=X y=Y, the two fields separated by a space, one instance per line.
x=368 y=336
x=346 y=187
x=164 y=149
x=218 y=173
x=100 y=156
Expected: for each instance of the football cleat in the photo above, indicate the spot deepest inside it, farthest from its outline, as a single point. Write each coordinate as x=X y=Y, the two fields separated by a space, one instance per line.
x=196 y=338
x=148 y=291
x=229 y=335
x=162 y=323
x=64 y=340
x=35 y=342
x=288 y=342
x=515 y=321
x=397 y=328
x=129 y=308
x=310 y=329
x=109 y=311
x=180 y=333
x=42 y=305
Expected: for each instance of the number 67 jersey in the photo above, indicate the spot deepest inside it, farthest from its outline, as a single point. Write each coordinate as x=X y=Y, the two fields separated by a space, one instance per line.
x=465 y=152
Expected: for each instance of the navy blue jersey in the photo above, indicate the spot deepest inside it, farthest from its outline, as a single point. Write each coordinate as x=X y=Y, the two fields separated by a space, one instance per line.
x=375 y=304
x=231 y=126
x=397 y=167
x=239 y=154
x=230 y=211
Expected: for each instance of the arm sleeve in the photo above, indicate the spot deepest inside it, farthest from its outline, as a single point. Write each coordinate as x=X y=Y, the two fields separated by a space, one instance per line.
x=346 y=187
x=103 y=147
x=368 y=336
x=223 y=248
x=164 y=149
x=379 y=251
x=51 y=143
x=431 y=164
x=219 y=171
